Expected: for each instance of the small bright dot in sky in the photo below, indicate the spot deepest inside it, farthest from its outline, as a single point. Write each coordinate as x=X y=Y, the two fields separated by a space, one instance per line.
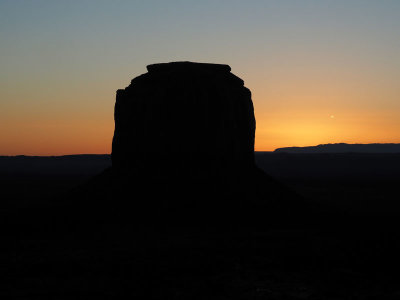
x=332 y=116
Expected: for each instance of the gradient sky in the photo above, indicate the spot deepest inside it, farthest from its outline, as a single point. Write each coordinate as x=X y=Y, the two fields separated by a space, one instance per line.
x=319 y=71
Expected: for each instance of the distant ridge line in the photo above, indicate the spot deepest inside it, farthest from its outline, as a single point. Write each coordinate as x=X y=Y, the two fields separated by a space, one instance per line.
x=344 y=148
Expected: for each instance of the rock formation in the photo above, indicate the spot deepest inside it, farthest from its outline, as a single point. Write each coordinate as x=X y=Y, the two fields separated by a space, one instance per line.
x=185 y=118
x=343 y=148
x=185 y=131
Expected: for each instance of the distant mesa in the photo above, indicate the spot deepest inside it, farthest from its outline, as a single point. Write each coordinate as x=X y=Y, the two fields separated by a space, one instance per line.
x=343 y=148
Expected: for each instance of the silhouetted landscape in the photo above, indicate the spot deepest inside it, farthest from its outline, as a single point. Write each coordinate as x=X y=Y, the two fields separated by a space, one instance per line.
x=183 y=208
x=344 y=148
x=367 y=181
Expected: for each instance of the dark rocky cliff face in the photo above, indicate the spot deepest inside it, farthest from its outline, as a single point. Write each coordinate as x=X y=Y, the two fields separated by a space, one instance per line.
x=184 y=119
x=183 y=154
x=183 y=150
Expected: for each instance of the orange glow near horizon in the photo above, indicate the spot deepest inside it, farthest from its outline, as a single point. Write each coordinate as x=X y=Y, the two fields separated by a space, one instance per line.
x=304 y=62
x=294 y=127
x=58 y=139
x=296 y=113
x=277 y=127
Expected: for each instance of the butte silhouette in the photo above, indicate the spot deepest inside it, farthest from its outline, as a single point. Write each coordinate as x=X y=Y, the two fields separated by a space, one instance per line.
x=181 y=202
x=183 y=152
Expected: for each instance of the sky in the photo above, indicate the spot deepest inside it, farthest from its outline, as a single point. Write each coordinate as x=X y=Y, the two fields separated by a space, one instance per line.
x=320 y=71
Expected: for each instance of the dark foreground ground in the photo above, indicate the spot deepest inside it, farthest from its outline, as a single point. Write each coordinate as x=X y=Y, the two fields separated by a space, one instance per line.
x=352 y=255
